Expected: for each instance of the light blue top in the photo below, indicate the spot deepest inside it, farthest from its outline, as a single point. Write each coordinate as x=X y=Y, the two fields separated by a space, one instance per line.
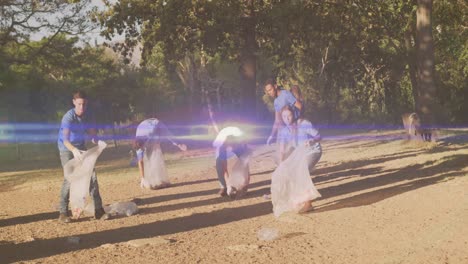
x=305 y=131
x=139 y=154
x=77 y=126
x=284 y=98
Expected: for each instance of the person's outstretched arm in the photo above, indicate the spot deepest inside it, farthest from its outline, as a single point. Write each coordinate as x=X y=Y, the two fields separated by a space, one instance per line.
x=298 y=105
x=312 y=132
x=165 y=133
x=274 y=129
x=92 y=133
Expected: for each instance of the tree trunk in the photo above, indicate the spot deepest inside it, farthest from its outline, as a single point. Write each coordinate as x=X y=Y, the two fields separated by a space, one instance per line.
x=411 y=58
x=196 y=96
x=248 y=62
x=114 y=135
x=425 y=62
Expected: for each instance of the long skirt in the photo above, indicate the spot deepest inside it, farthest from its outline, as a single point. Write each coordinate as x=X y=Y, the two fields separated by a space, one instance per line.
x=291 y=185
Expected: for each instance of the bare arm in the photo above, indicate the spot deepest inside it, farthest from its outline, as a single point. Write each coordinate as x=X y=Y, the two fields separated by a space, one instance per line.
x=298 y=105
x=225 y=171
x=141 y=169
x=276 y=124
x=317 y=138
x=281 y=151
x=66 y=139
x=213 y=122
x=313 y=140
x=313 y=134
x=165 y=133
x=92 y=132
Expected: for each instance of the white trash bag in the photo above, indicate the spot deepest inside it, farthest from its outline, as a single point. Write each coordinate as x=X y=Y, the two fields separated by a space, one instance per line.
x=239 y=179
x=291 y=185
x=122 y=208
x=79 y=173
x=267 y=234
x=155 y=173
x=117 y=208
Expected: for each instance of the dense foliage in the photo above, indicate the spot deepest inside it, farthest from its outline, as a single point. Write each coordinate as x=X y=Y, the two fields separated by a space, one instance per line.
x=352 y=59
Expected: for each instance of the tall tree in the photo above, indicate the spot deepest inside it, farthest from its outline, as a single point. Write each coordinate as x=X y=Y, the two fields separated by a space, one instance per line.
x=347 y=56
x=176 y=28
x=450 y=21
x=248 y=61
x=19 y=20
x=426 y=88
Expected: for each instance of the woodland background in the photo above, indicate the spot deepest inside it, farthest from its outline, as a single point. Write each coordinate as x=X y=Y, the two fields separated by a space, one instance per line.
x=357 y=62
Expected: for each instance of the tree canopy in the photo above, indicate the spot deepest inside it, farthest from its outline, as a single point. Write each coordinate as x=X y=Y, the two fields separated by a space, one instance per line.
x=356 y=61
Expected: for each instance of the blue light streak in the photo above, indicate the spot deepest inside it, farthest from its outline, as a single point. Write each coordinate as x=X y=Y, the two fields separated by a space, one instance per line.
x=48 y=132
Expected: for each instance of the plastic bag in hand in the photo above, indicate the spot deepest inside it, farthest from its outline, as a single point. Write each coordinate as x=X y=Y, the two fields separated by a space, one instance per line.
x=79 y=173
x=239 y=178
x=155 y=173
x=291 y=185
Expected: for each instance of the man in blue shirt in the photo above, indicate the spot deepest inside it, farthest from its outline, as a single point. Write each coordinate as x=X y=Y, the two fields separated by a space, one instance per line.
x=76 y=123
x=282 y=98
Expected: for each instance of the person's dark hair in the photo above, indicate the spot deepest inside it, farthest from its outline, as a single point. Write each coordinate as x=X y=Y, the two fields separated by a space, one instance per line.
x=290 y=109
x=80 y=94
x=138 y=143
x=270 y=81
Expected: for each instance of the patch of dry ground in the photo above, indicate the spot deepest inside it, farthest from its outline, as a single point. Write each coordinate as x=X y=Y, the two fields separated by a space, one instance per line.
x=383 y=201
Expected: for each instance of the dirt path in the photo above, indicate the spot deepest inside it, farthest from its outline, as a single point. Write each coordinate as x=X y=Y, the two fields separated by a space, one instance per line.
x=383 y=201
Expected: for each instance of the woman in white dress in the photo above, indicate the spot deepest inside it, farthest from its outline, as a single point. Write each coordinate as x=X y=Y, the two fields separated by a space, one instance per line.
x=299 y=151
x=299 y=132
